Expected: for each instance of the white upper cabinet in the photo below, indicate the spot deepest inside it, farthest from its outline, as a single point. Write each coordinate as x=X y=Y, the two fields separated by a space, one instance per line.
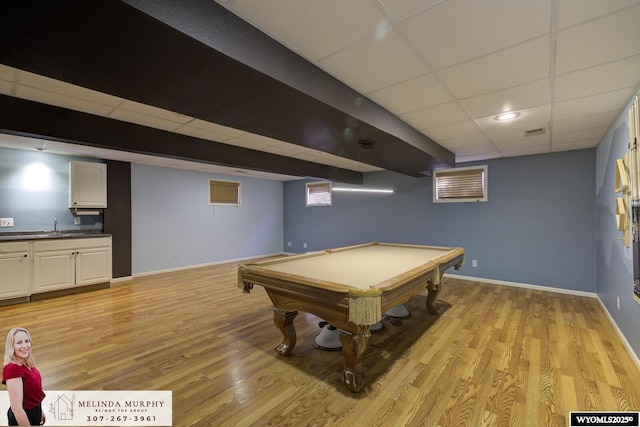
x=87 y=185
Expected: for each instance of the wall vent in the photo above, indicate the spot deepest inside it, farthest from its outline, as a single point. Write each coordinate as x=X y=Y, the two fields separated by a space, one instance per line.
x=534 y=132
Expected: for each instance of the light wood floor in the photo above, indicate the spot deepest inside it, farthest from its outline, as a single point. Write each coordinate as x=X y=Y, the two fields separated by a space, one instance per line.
x=494 y=356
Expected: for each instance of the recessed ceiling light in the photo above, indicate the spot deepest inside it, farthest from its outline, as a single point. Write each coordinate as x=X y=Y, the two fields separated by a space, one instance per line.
x=510 y=115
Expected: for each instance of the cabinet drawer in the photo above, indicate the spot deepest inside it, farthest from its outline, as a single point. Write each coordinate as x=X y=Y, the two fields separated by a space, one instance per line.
x=13 y=247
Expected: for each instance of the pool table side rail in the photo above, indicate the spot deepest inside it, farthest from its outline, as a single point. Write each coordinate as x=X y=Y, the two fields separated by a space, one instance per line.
x=257 y=271
x=289 y=258
x=290 y=295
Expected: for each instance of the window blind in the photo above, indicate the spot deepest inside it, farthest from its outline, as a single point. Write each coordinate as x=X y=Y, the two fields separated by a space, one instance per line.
x=224 y=192
x=318 y=193
x=462 y=184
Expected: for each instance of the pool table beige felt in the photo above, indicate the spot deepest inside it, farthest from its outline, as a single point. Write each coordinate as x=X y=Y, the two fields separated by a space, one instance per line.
x=349 y=287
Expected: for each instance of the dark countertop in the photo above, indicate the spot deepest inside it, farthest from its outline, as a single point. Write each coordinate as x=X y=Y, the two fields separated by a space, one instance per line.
x=48 y=235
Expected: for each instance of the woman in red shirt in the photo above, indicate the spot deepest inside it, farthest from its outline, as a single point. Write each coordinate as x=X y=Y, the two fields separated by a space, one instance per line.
x=24 y=382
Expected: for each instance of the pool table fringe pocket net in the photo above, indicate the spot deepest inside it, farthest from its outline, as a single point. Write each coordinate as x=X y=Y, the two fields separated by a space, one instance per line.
x=365 y=306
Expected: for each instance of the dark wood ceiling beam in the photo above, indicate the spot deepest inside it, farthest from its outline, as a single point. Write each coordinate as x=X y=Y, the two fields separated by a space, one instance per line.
x=196 y=58
x=60 y=124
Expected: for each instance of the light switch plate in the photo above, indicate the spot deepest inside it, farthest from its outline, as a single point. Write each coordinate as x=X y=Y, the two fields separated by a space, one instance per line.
x=6 y=222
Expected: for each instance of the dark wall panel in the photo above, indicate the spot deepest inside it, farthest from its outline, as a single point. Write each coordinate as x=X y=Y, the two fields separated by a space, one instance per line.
x=117 y=216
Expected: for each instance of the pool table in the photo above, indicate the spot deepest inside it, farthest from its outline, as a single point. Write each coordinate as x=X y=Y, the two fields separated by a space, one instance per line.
x=350 y=288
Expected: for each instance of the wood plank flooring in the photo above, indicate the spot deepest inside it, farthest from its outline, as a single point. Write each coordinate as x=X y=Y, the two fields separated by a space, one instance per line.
x=494 y=356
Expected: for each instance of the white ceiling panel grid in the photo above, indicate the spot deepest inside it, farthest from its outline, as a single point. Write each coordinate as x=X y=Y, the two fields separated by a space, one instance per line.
x=445 y=67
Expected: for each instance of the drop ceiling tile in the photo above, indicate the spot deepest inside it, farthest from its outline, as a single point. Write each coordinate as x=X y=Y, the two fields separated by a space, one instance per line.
x=455 y=31
x=202 y=134
x=579 y=135
x=524 y=151
x=314 y=29
x=65 y=89
x=512 y=99
x=50 y=98
x=575 y=145
x=376 y=62
x=5 y=87
x=602 y=78
x=539 y=140
x=572 y=12
x=143 y=119
x=439 y=115
x=412 y=95
x=155 y=112
x=585 y=122
x=514 y=66
x=454 y=130
x=599 y=41
x=7 y=73
x=401 y=9
x=283 y=149
x=246 y=143
x=216 y=128
x=591 y=105
x=260 y=139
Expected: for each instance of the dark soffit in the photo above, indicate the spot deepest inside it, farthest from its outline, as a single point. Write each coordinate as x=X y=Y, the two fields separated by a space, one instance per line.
x=223 y=71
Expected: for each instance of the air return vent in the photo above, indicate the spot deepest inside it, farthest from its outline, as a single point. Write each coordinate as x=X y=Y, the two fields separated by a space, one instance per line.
x=534 y=132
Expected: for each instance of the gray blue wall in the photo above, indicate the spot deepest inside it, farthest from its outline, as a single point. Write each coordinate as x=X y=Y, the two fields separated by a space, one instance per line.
x=35 y=209
x=538 y=226
x=614 y=260
x=174 y=226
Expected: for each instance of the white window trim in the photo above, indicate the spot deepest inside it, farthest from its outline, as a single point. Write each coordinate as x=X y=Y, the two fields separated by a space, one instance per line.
x=484 y=198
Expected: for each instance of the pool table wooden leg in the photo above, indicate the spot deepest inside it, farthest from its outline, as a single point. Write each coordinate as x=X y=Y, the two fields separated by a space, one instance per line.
x=353 y=347
x=431 y=297
x=284 y=321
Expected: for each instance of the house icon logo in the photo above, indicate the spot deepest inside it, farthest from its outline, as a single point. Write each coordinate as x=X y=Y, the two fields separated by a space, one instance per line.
x=62 y=407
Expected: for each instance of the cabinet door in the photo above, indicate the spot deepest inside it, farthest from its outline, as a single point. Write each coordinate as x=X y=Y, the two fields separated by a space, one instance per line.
x=87 y=185
x=14 y=279
x=93 y=266
x=53 y=270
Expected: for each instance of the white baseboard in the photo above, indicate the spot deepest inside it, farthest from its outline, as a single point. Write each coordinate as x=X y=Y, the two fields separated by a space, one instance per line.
x=633 y=354
x=207 y=264
x=524 y=285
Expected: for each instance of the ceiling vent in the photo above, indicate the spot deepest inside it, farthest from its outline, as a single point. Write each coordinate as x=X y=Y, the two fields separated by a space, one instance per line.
x=534 y=132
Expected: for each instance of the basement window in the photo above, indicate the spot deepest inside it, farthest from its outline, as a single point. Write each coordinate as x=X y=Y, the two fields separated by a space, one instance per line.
x=318 y=193
x=460 y=185
x=224 y=192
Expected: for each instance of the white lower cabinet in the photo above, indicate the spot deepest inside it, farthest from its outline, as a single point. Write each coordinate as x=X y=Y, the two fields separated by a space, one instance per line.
x=67 y=263
x=14 y=270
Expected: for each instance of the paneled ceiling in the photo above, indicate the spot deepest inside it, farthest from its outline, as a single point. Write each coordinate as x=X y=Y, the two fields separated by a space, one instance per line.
x=420 y=82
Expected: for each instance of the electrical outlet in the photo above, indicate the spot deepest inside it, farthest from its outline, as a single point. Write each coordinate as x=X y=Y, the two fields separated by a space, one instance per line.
x=474 y=263
x=77 y=220
x=6 y=222
x=289 y=244
x=304 y=245
x=618 y=303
